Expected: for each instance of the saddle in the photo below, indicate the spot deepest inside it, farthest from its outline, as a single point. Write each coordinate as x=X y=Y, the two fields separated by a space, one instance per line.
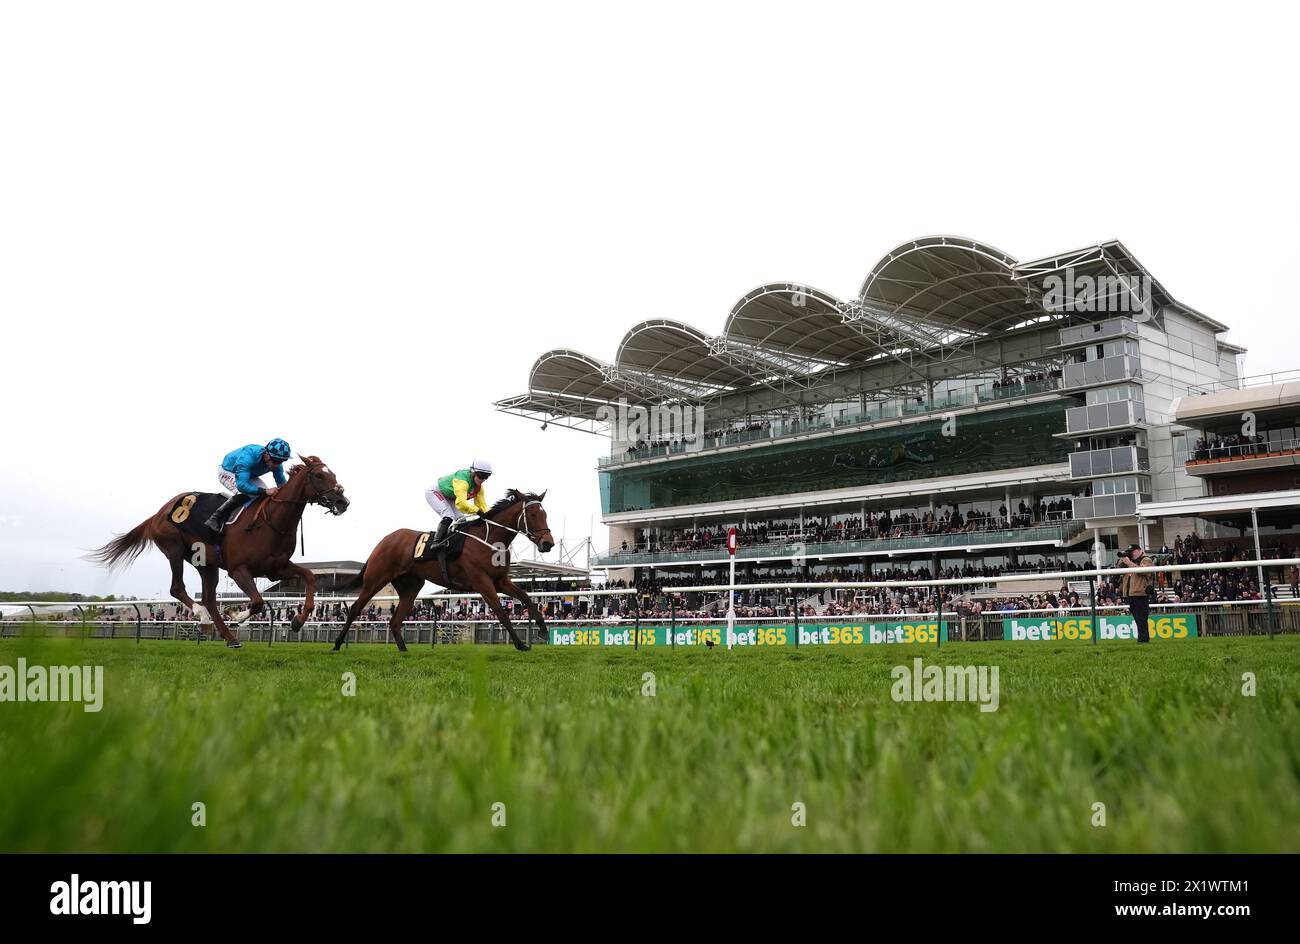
x=192 y=510
x=449 y=550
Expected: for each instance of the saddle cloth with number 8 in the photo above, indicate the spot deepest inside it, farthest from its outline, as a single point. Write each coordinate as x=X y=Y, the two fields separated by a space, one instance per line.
x=191 y=511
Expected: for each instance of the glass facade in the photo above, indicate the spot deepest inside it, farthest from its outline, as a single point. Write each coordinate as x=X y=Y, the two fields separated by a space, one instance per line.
x=1000 y=439
x=1054 y=531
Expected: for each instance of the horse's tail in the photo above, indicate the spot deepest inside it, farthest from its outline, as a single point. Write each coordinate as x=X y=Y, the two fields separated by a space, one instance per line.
x=124 y=548
x=356 y=582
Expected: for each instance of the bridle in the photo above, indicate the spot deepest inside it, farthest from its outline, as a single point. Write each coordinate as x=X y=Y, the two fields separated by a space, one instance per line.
x=521 y=526
x=329 y=499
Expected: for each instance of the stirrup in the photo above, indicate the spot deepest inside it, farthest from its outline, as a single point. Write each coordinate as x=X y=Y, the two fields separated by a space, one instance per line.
x=442 y=535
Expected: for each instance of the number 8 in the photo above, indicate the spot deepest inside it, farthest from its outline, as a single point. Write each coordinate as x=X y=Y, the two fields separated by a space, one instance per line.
x=182 y=511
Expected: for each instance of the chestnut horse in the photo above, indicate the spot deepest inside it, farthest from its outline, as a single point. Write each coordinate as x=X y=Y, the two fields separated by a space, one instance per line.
x=483 y=565
x=259 y=544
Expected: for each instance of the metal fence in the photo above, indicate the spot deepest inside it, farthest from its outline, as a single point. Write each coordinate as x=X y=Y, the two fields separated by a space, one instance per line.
x=650 y=614
x=1219 y=619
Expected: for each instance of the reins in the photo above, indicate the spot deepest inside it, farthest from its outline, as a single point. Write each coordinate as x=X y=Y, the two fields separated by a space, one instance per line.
x=263 y=513
x=515 y=531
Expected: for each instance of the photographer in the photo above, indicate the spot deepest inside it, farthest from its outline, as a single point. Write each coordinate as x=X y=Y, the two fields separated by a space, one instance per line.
x=1136 y=587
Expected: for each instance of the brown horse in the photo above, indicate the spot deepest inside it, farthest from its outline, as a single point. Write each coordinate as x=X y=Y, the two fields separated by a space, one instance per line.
x=259 y=544
x=483 y=565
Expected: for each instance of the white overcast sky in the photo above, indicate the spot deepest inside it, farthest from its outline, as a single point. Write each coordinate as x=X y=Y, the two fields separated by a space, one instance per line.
x=357 y=225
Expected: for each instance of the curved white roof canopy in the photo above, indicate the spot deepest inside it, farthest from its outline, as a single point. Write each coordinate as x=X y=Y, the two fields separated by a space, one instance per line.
x=920 y=300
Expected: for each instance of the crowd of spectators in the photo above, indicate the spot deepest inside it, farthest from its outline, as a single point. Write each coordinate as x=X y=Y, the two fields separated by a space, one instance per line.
x=881 y=525
x=649 y=447
x=736 y=432
x=1019 y=383
x=1223 y=447
x=644 y=447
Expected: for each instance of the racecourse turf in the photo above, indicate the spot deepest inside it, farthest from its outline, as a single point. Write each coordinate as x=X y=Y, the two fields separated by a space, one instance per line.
x=714 y=761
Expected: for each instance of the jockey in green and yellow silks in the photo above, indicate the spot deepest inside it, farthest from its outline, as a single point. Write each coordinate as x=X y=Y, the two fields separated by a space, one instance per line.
x=459 y=494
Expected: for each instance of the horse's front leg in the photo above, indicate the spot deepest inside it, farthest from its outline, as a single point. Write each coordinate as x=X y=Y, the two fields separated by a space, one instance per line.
x=509 y=587
x=243 y=579
x=483 y=585
x=291 y=569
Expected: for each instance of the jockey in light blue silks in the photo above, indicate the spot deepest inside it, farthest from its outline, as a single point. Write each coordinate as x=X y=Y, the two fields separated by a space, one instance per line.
x=240 y=472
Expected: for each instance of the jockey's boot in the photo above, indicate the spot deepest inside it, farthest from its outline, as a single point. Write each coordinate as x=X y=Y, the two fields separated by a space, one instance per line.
x=441 y=536
x=218 y=519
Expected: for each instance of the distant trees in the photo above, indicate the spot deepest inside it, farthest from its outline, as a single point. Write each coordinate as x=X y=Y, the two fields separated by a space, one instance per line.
x=54 y=596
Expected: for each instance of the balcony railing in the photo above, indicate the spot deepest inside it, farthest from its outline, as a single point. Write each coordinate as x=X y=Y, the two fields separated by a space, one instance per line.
x=1108 y=506
x=1099 y=331
x=1212 y=454
x=874 y=412
x=1113 y=369
x=1120 y=414
x=1095 y=462
x=1061 y=530
x=1243 y=383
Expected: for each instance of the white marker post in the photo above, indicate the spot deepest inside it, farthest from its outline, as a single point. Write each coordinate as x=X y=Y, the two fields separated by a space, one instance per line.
x=731 y=592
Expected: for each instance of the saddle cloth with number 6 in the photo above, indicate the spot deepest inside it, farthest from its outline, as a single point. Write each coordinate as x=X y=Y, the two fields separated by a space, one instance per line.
x=424 y=549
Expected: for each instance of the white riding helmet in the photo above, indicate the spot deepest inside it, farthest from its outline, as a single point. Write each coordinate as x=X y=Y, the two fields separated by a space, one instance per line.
x=481 y=465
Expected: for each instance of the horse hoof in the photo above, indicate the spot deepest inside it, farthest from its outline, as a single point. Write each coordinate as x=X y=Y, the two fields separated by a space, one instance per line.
x=522 y=646
x=241 y=617
x=234 y=644
x=295 y=624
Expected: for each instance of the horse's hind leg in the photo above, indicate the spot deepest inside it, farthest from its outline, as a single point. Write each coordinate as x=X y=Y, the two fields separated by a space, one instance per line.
x=210 y=575
x=178 y=591
x=407 y=586
x=175 y=553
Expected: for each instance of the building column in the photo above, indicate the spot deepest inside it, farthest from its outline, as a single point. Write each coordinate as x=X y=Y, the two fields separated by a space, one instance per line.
x=1259 y=555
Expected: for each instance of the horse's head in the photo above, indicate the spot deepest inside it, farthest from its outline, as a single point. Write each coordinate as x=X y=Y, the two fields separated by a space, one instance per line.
x=532 y=519
x=320 y=485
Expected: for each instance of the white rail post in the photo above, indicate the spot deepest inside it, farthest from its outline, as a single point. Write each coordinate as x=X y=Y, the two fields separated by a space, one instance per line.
x=731 y=591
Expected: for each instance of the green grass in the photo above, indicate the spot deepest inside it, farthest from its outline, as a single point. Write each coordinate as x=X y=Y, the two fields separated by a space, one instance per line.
x=583 y=761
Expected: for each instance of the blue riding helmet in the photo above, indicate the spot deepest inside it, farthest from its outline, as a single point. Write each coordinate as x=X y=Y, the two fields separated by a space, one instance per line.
x=278 y=449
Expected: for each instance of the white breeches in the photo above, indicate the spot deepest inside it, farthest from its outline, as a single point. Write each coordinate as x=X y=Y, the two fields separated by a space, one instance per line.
x=441 y=507
x=227 y=480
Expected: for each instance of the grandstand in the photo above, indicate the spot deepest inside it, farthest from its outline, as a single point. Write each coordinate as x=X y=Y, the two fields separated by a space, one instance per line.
x=966 y=413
